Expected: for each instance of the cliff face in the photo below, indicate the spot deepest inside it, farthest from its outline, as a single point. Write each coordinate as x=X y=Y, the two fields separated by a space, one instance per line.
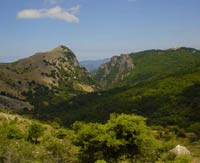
x=114 y=71
x=52 y=70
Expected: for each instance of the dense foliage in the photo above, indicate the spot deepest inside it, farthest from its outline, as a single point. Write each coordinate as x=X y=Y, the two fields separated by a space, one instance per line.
x=123 y=139
x=26 y=141
x=158 y=64
x=170 y=101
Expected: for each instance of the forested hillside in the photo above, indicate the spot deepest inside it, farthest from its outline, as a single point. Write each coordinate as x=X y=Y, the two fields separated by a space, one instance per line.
x=169 y=96
x=136 y=108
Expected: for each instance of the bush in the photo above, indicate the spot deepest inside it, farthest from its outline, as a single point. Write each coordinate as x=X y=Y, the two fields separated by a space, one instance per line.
x=123 y=135
x=195 y=127
x=35 y=132
x=58 y=151
x=183 y=159
x=14 y=133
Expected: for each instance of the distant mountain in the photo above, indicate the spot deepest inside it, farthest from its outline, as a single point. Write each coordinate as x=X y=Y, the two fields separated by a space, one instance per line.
x=147 y=66
x=93 y=65
x=56 y=70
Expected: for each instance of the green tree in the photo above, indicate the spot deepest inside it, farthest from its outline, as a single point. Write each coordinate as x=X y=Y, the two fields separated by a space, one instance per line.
x=35 y=132
x=183 y=159
x=123 y=135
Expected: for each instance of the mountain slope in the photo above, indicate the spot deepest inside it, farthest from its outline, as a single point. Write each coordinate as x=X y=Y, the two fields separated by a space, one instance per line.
x=154 y=64
x=170 y=101
x=54 y=143
x=168 y=95
x=51 y=71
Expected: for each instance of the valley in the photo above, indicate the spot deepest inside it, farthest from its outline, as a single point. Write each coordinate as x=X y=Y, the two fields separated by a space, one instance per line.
x=159 y=90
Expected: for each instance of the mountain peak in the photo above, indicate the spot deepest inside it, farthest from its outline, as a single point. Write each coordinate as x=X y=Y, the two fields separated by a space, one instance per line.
x=61 y=48
x=49 y=71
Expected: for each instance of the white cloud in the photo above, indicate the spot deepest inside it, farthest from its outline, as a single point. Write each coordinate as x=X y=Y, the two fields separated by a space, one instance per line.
x=74 y=10
x=52 y=13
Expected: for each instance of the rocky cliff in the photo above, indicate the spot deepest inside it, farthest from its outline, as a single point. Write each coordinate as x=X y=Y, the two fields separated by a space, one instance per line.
x=114 y=71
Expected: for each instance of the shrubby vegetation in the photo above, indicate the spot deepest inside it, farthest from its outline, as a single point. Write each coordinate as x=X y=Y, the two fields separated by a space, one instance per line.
x=27 y=141
x=122 y=139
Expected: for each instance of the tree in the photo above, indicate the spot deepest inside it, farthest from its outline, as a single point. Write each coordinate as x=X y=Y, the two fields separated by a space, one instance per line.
x=123 y=136
x=35 y=132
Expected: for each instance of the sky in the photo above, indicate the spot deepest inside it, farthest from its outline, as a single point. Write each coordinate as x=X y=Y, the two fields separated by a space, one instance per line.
x=96 y=29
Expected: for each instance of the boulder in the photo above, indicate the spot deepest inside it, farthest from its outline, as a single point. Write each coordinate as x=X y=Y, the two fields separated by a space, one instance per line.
x=180 y=150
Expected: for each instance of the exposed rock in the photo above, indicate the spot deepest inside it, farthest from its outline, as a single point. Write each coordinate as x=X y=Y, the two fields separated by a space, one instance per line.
x=112 y=72
x=8 y=103
x=180 y=150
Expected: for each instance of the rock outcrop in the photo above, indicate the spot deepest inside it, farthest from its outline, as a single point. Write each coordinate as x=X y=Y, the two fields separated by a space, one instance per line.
x=114 y=71
x=180 y=150
x=18 y=105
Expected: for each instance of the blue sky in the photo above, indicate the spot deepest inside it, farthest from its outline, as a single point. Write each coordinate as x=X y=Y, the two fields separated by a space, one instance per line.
x=96 y=29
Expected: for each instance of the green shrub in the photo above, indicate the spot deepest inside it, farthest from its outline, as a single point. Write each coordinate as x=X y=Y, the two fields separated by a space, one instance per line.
x=35 y=131
x=58 y=151
x=195 y=127
x=183 y=159
x=14 y=133
x=123 y=135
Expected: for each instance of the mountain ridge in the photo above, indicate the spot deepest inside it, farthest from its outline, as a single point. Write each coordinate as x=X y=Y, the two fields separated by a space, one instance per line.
x=148 y=65
x=49 y=70
x=136 y=85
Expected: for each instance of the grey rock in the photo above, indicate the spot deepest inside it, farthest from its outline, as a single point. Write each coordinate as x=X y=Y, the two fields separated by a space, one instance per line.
x=112 y=72
x=180 y=150
x=14 y=104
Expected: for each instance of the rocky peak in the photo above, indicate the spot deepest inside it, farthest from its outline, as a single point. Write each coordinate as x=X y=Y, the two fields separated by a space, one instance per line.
x=60 y=55
x=124 y=61
x=51 y=69
x=61 y=48
x=115 y=70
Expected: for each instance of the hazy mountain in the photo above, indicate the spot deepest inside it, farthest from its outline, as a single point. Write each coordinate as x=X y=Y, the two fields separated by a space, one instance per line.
x=93 y=65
